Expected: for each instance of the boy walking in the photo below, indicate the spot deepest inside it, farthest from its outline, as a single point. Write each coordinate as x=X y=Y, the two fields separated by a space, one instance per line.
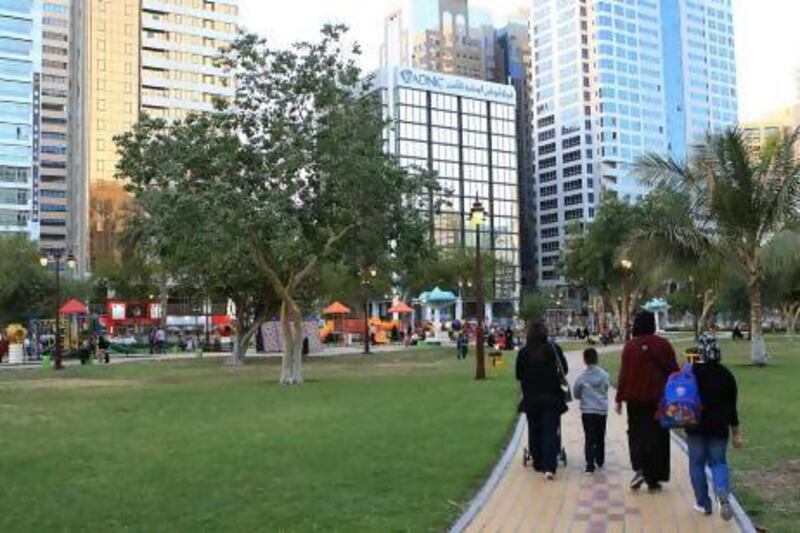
x=591 y=388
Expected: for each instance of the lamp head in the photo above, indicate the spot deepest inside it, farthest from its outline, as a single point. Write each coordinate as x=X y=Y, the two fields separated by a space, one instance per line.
x=43 y=260
x=71 y=262
x=373 y=272
x=477 y=213
x=626 y=264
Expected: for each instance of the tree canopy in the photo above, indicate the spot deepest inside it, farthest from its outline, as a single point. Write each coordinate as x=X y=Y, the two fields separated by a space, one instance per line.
x=289 y=174
x=732 y=202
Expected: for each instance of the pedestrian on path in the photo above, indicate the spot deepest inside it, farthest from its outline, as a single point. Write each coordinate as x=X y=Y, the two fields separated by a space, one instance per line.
x=462 y=345
x=708 y=441
x=539 y=368
x=591 y=388
x=647 y=362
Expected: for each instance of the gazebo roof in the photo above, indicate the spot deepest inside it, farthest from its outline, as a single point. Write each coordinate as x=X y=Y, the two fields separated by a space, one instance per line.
x=437 y=295
x=336 y=308
x=73 y=307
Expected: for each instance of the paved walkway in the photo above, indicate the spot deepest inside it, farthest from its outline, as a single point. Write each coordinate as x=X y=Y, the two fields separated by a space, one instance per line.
x=524 y=501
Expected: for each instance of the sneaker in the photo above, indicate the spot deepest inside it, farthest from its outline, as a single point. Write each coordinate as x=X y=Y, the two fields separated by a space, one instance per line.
x=549 y=476
x=702 y=510
x=725 y=509
x=589 y=471
x=637 y=481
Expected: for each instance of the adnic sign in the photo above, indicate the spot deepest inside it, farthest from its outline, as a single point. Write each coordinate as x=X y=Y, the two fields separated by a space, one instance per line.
x=430 y=81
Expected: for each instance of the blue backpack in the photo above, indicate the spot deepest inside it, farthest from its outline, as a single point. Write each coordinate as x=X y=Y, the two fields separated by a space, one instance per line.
x=681 y=406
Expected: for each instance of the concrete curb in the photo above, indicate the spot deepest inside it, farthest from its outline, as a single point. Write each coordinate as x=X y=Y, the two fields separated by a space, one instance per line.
x=739 y=514
x=480 y=499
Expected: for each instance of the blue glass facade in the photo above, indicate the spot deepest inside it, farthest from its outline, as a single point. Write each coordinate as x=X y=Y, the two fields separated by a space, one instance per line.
x=613 y=80
x=19 y=60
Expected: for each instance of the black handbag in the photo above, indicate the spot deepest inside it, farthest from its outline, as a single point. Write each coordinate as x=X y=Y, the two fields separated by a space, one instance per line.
x=562 y=377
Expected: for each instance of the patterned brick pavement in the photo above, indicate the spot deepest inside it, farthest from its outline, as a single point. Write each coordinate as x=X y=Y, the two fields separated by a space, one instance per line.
x=601 y=503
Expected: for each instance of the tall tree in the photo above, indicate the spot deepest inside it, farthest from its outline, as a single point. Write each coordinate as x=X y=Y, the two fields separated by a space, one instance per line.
x=740 y=200
x=594 y=253
x=292 y=166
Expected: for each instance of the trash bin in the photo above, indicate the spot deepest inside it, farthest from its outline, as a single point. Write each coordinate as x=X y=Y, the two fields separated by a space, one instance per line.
x=46 y=361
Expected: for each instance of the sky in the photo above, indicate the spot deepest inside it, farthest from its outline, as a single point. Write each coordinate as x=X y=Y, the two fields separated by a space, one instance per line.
x=767 y=38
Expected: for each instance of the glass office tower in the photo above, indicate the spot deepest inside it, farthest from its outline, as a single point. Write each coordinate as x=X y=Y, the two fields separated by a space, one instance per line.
x=20 y=60
x=612 y=81
x=464 y=129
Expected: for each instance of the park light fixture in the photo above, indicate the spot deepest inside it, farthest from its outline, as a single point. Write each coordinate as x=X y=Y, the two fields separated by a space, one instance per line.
x=477 y=214
x=626 y=264
x=373 y=272
x=44 y=261
x=71 y=262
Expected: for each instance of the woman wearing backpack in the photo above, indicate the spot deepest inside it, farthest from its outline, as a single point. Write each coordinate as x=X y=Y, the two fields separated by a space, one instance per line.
x=540 y=367
x=647 y=362
x=708 y=441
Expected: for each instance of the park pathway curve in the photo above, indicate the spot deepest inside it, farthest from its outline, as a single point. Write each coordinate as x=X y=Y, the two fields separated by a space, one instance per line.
x=523 y=501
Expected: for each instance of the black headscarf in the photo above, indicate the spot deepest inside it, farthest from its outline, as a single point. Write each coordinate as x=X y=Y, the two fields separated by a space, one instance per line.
x=644 y=324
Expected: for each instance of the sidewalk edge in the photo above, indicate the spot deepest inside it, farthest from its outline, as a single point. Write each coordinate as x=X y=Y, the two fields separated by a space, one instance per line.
x=742 y=520
x=480 y=499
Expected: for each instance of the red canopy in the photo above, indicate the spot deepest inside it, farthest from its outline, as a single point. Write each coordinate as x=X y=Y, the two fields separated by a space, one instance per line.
x=401 y=308
x=336 y=308
x=73 y=307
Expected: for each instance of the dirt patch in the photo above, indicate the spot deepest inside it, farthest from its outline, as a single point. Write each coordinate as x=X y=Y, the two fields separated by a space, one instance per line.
x=61 y=384
x=778 y=486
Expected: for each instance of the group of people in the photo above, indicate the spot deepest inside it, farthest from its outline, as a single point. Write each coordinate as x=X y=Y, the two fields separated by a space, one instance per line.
x=648 y=361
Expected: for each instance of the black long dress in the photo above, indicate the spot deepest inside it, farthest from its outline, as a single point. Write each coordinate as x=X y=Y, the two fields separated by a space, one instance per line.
x=542 y=401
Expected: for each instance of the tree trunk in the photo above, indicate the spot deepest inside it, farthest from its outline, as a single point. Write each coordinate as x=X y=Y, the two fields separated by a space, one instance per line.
x=241 y=341
x=709 y=300
x=795 y=318
x=758 y=349
x=292 y=329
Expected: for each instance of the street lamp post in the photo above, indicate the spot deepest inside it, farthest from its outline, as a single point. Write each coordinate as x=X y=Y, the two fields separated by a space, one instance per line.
x=369 y=274
x=476 y=218
x=57 y=255
x=626 y=265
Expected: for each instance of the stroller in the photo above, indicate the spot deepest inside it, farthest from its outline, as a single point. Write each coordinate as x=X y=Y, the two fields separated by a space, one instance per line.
x=528 y=451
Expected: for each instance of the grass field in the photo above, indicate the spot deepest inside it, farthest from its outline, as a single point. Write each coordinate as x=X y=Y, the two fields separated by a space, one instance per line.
x=767 y=470
x=387 y=443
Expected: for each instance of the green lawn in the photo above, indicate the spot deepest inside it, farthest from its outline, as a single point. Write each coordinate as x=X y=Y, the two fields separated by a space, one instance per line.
x=387 y=443
x=767 y=470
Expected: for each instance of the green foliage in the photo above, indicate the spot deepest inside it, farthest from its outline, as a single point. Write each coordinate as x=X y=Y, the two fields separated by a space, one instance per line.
x=534 y=307
x=250 y=200
x=449 y=269
x=27 y=290
x=729 y=204
x=593 y=256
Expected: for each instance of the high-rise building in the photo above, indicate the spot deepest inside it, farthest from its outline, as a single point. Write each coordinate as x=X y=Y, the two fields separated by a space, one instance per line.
x=613 y=80
x=440 y=36
x=513 y=66
x=20 y=63
x=135 y=56
x=463 y=129
x=54 y=144
x=769 y=126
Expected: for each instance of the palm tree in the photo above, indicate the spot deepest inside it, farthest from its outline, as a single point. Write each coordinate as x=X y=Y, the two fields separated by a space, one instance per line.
x=742 y=201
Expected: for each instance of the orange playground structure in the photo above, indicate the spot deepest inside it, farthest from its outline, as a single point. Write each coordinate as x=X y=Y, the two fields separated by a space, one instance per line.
x=381 y=328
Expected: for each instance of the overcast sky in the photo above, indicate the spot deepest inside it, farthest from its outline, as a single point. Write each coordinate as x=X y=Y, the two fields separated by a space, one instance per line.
x=768 y=37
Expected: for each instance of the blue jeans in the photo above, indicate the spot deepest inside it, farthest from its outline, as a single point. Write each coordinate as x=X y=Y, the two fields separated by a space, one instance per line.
x=708 y=451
